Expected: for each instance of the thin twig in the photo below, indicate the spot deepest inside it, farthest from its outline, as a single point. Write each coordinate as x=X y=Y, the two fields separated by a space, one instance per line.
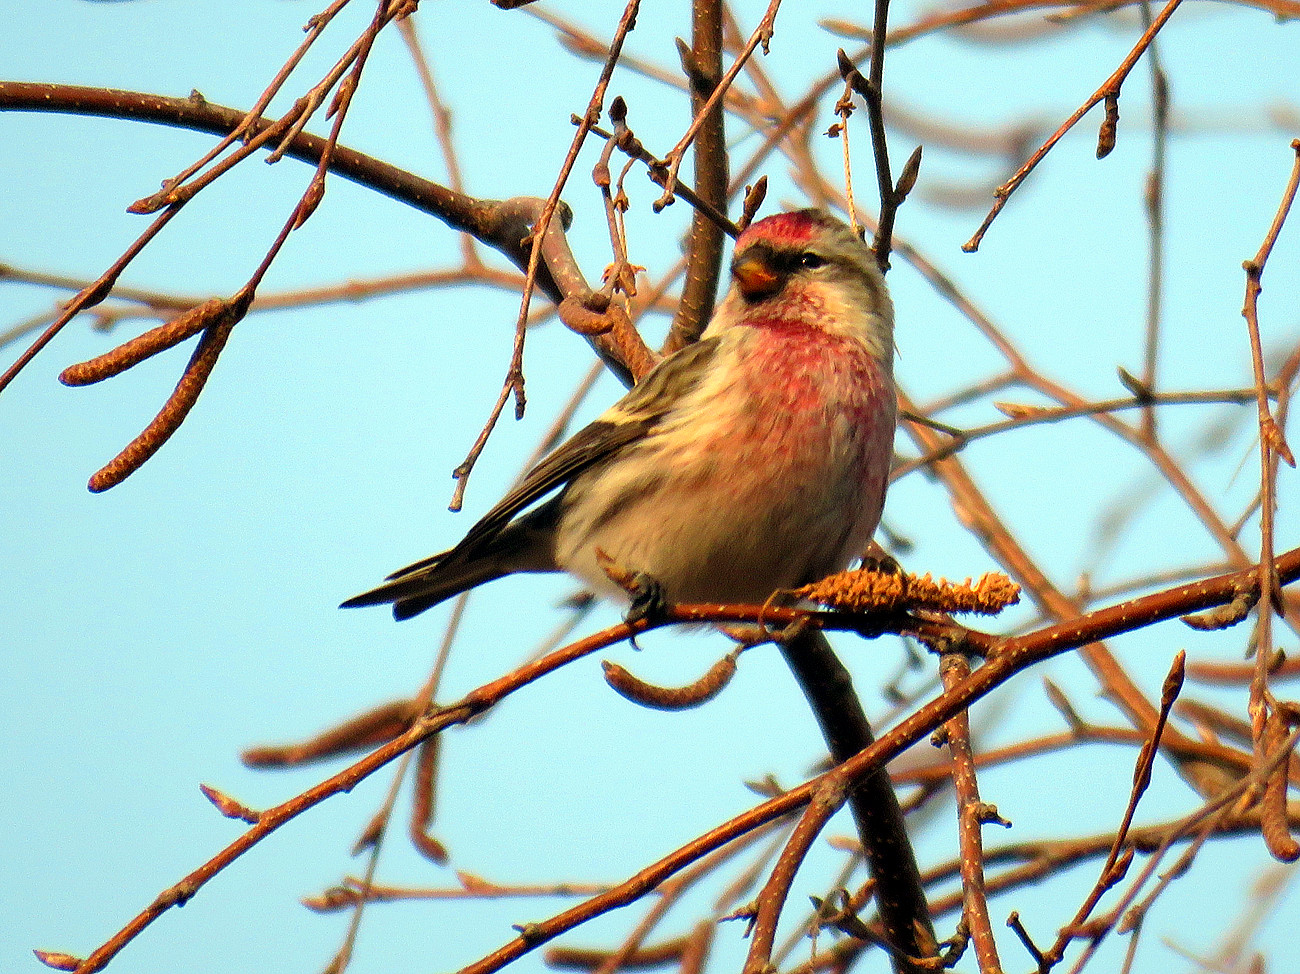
x=1265 y=723
x=825 y=802
x=1116 y=864
x=1154 y=199
x=1110 y=89
x=539 y=231
x=762 y=35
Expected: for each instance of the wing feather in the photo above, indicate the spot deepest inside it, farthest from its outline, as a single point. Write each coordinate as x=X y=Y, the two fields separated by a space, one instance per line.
x=628 y=420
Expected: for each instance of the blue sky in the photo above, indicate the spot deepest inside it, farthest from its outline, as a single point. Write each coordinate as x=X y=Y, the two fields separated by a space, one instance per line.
x=152 y=632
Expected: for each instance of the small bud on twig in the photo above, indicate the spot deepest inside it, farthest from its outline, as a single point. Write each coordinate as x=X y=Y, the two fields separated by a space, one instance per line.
x=230 y=807
x=57 y=960
x=907 y=178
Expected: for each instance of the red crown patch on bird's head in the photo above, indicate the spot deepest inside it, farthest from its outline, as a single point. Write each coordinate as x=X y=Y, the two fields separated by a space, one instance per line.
x=796 y=227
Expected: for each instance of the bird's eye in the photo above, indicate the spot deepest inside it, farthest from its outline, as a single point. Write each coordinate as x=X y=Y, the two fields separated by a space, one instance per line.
x=810 y=260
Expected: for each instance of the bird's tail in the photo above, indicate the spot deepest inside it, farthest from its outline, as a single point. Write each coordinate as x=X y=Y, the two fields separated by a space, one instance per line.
x=522 y=546
x=426 y=583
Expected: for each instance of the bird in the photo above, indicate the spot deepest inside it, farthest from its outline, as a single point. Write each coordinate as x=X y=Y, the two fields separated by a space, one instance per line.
x=752 y=461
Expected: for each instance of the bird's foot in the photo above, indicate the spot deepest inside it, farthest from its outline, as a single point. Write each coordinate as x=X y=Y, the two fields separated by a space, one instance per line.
x=645 y=592
x=877 y=559
x=648 y=600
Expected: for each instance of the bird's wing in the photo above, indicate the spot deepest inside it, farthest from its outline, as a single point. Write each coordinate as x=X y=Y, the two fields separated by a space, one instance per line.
x=626 y=421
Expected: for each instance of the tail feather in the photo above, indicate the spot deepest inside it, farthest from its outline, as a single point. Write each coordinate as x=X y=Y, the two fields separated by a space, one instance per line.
x=524 y=545
x=417 y=566
x=423 y=586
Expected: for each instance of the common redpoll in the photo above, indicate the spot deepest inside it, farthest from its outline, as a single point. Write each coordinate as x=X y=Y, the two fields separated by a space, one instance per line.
x=754 y=460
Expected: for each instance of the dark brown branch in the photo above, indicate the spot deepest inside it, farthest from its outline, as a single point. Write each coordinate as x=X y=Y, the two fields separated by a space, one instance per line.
x=702 y=62
x=874 y=92
x=900 y=897
x=762 y=35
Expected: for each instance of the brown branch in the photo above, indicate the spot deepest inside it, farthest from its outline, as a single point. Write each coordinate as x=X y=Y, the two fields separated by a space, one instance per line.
x=900 y=897
x=471 y=887
x=824 y=802
x=1116 y=865
x=1034 y=862
x=217 y=318
x=702 y=63
x=872 y=89
x=271 y=819
x=541 y=232
x=1007 y=656
x=1109 y=90
x=954 y=668
x=150 y=304
x=1022 y=417
x=658 y=174
x=1154 y=200
x=1166 y=464
x=762 y=35
x=504 y=225
x=197 y=114
x=90 y=295
x=1272 y=447
x=1200 y=825
x=1214 y=671
x=943 y=19
x=1233 y=762
x=975 y=509
x=441 y=124
x=189 y=183
x=671 y=892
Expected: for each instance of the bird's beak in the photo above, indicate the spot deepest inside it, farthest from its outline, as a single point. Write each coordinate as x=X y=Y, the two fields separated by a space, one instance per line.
x=755 y=277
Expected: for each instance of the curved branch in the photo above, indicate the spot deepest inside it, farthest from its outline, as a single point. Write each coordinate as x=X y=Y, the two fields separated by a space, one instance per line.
x=504 y=225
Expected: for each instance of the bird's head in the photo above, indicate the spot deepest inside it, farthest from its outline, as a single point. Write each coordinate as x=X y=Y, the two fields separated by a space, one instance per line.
x=807 y=267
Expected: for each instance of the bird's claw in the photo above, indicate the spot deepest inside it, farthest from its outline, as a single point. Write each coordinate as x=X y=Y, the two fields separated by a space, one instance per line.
x=643 y=589
x=648 y=600
x=879 y=560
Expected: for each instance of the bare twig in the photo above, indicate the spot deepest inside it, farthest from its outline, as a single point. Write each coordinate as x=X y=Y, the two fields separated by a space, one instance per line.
x=1109 y=90
x=1272 y=447
x=1154 y=200
x=971 y=816
x=539 y=232
x=762 y=35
